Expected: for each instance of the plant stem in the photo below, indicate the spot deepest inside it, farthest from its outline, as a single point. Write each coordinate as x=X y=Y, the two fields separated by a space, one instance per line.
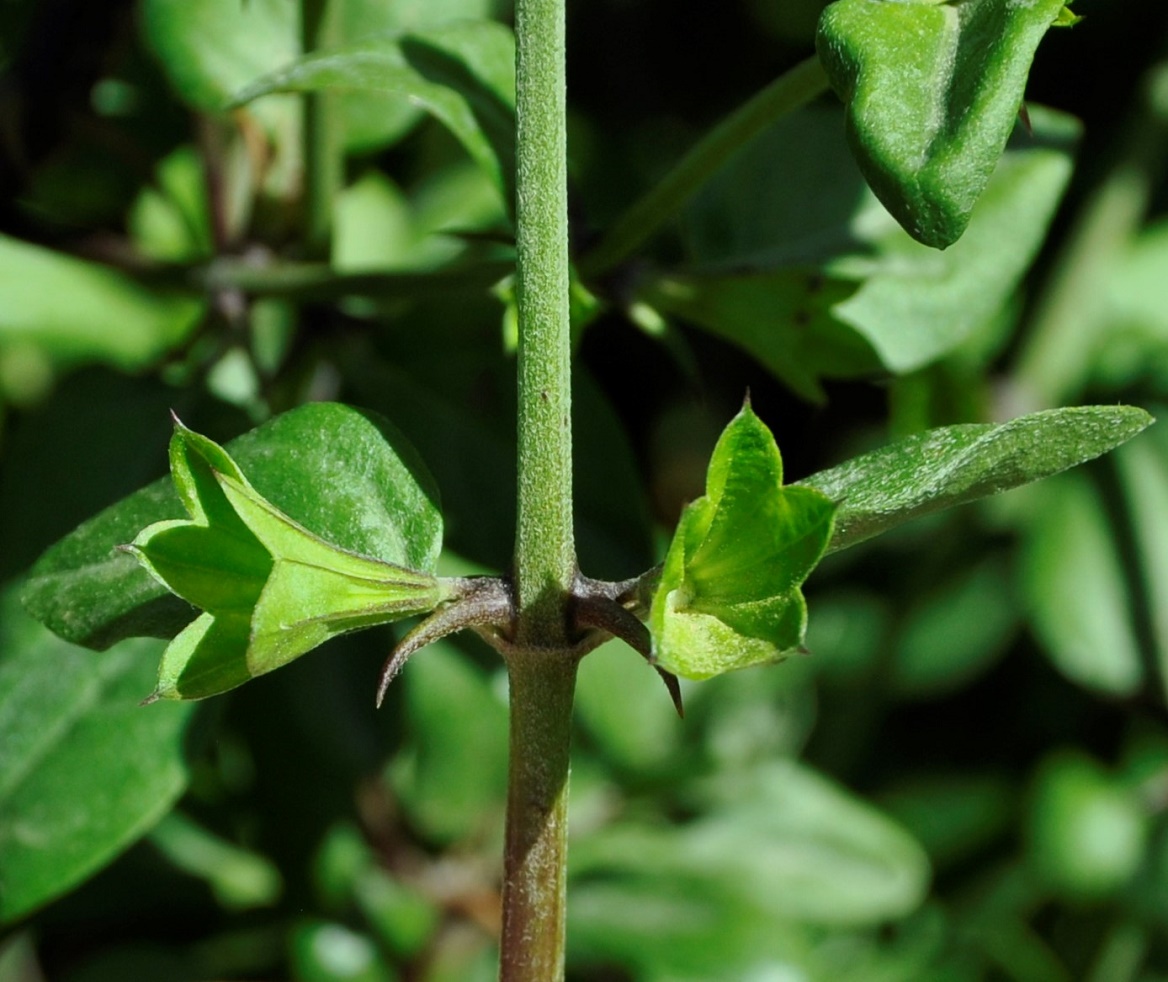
x=535 y=856
x=545 y=557
x=541 y=666
x=323 y=159
x=787 y=93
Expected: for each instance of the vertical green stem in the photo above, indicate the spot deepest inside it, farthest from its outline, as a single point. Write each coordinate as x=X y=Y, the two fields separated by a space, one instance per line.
x=545 y=558
x=323 y=154
x=541 y=667
x=536 y=852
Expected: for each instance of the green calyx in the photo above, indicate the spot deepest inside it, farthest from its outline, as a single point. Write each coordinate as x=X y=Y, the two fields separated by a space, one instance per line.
x=729 y=592
x=270 y=590
x=932 y=90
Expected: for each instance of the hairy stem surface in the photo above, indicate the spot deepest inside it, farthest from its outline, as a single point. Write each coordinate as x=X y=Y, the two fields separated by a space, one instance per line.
x=535 y=858
x=540 y=662
x=545 y=558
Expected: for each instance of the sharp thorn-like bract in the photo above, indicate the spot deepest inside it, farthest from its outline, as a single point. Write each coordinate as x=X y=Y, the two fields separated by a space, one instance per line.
x=601 y=612
x=479 y=602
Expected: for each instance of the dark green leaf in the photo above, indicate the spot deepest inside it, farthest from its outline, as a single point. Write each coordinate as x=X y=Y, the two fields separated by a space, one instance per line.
x=928 y=139
x=347 y=476
x=462 y=74
x=85 y=770
x=950 y=466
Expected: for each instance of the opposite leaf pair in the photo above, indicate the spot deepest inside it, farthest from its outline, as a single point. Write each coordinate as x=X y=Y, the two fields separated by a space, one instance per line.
x=271 y=590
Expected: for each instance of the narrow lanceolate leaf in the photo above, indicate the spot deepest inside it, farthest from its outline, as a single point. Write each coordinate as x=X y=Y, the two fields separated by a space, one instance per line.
x=729 y=592
x=933 y=89
x=955 y=464
x=463 y=74
x=269 y=588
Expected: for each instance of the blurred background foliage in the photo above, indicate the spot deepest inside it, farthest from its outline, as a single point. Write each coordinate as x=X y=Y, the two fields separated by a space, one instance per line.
x=967 y=778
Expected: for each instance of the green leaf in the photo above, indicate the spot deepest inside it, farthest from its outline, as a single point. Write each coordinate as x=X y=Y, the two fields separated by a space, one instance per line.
x=1077 y=592
x=928 y=139
x=347 y=476
x=85 y=771
x=821 y=282
x=840 y=861
x=463 y=74
x=729 y=593
x=783 y=318
x=916 y=304
x=271 y=589
x=70 y=311
x=210 y=48
x=955 y=464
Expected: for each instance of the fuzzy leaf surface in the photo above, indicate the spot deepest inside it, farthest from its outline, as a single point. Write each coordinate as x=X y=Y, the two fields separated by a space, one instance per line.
x=270 y=589
x=933 y=89
x=956 y=464
x=729 y=592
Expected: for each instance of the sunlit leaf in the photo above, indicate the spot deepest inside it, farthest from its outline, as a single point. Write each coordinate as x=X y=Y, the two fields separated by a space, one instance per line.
x=955 y=464
x=270 y=589
x=347 y=476
x=72 y=311
x=933 y=89
x=729 y=592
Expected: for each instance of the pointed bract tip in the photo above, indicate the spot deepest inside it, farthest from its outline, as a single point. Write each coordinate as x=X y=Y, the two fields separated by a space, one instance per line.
x=151 y=699
x=674 y=689
x=746 y=399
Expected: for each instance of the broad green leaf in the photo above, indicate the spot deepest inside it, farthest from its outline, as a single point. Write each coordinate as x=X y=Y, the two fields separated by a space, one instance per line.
x=783 y=318
x=374 y=119
x=916 y=304
x=270 y=589
x=463 y=74
x=933 y=89
x=1077 y=593
x=729 y=592
x=85 y=770
x=840 y=861
x=211 y=48
x=812 y=282
x=347 y=476
x=955 y=464
x=70 y=311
